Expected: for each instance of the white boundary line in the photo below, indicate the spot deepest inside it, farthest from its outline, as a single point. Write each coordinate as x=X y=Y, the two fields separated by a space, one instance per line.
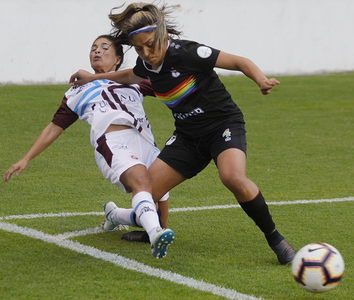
x=69 y=235
x=61 y=240
x=127 y=263
x=181 y=209
x=269 y=203
x=51 y=215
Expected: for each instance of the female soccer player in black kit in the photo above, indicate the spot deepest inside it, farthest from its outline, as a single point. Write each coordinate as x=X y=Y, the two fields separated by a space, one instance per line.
x=209 y=125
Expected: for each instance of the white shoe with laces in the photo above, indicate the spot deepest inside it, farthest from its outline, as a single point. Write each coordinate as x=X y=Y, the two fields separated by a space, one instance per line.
x=108 y=224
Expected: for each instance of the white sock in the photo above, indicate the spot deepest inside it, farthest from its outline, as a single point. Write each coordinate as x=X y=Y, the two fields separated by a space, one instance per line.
x=125 y=216
x=145 y=211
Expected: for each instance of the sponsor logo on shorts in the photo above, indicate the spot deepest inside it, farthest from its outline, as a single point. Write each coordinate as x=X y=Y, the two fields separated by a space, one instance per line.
x=227 y=135
x=134 y=157
x=171 y=140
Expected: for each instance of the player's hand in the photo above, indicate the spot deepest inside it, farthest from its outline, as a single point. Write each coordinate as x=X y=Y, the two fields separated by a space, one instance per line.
x=19 y=167
x=267 y=85
x=81 y=77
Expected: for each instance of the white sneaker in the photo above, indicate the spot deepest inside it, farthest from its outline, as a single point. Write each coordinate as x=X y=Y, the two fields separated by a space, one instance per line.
x=108 y=224
x=160 y=242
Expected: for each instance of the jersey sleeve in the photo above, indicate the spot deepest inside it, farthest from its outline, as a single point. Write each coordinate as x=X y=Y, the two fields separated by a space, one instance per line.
x=198 y=57
x=64 y=116
x=146 y=88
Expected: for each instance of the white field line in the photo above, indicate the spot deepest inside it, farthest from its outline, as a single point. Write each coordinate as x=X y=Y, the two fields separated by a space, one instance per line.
x=269 y=203
x=51 y=215
x=181 y=209
x=127 y=263
x=62 y=241
x=69 y=235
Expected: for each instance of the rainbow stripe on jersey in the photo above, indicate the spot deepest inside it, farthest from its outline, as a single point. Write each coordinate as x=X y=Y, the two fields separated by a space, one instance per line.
x=179 y=93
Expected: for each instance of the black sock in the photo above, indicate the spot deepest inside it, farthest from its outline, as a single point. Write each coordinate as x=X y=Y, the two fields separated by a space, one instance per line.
x=274 y=238
x=159 y=214
x=257 y=210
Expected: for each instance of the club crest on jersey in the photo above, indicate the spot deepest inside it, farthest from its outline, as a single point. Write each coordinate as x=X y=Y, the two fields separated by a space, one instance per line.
x=171 y=140
x=175 y=73
x=227 y=135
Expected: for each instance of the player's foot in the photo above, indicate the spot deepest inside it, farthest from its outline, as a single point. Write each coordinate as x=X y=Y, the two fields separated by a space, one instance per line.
x=108 y=224
x=160 y=242
x=285 y=252
x=136 y=236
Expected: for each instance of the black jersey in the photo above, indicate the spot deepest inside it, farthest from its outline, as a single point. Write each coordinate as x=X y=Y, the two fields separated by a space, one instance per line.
x=187 y=83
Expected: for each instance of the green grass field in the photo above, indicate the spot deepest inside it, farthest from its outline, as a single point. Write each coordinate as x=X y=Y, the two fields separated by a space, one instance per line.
x=300 y=147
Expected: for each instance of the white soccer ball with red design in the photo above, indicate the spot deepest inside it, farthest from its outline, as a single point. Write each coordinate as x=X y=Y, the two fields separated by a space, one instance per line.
x=318 y=267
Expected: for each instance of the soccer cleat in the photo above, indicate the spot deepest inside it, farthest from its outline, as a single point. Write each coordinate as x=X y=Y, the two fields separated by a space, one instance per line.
x=285 y=252
x=108 y=224
x=160 y=242
x=136 y=236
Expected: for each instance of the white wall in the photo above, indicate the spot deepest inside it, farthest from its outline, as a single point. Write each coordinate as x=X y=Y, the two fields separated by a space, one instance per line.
x=45 y=41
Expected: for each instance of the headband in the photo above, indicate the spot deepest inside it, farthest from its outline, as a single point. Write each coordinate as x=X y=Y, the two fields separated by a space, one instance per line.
x=143 y=29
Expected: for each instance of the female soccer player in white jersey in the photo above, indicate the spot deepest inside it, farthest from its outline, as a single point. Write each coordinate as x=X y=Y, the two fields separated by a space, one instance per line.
x=122 y=138
x=209 y=125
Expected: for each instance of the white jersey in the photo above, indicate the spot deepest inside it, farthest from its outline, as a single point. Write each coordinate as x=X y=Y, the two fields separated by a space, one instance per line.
x=101 y=103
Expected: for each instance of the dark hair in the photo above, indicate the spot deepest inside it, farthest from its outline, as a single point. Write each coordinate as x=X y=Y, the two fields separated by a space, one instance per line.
x=117 y=44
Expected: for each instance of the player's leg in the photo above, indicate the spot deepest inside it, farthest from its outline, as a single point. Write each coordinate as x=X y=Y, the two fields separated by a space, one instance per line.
x=119 y=157
x=163 y=178
x=138 y=180
x=114 y=158
x=135 y=179
x=146 y=153
x=118 y=218
x=145 y=210
x=179 y=160
x=163 y=212
x=232 y=170
x=142 y=236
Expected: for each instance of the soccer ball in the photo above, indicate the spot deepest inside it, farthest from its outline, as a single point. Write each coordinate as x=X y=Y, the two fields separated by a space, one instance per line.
x=318 y=267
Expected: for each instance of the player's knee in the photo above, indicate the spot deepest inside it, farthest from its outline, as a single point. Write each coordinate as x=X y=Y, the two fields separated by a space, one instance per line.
x=141 y=184
x=136 y=179
x=234 y=182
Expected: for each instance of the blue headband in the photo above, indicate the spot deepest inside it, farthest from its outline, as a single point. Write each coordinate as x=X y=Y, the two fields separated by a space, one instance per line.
x=143 y=29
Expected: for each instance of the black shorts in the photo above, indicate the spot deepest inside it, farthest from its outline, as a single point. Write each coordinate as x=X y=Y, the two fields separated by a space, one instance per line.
x=190 y=156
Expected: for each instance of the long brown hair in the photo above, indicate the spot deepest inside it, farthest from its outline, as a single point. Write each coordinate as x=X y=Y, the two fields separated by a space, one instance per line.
x=139 y=15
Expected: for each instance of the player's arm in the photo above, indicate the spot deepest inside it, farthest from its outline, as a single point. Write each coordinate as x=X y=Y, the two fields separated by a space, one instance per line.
x=49 y=134
x=163 y=205
x=124 y=77
x=237 y=63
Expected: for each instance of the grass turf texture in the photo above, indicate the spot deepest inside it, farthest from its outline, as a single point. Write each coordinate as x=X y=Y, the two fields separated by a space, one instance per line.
x=300 y=146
